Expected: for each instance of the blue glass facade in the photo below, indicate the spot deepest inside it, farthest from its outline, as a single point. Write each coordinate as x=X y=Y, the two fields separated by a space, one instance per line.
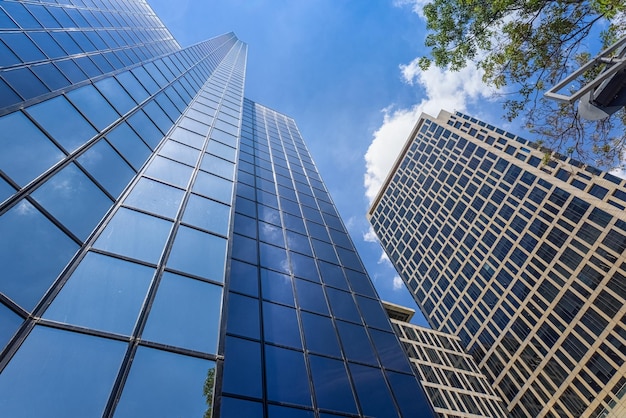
x=168 y=247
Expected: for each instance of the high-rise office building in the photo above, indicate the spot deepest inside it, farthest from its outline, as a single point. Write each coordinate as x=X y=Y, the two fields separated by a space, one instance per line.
x=454 y=385
x=523 y=261
x=168 y=247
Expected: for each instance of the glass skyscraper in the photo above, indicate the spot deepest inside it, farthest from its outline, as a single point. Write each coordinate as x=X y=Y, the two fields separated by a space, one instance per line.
x=523 y=259
x=168 y=247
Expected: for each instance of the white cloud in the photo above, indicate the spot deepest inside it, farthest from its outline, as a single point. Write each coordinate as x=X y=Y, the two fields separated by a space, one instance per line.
x=370 y=236
x=443 y=90
x=397 y=283
x=384 y=259
x=416 y=5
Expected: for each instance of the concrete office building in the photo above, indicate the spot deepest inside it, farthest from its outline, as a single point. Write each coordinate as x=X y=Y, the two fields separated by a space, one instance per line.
x=168 y=247
x=453 y=383
x=524 y=262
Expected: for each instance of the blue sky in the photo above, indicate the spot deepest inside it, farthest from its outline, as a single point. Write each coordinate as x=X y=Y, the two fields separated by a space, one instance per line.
x=345 y=71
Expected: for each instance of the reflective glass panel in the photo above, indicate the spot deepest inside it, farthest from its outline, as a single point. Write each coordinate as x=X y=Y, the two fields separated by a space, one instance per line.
x=28 y=154
x=242 y=367
x=286 y=376
x=198 y=253
x=59 y=373
x=9 y=323
x=71 y=131
x=276 y=287
x=214 y=187
x=107 y=167
x=303 y=266
x=356 y=344
x=280 y=325
x=169 y=171
x=332 y=387
x=179 y=152
x=218 y=166
x=112 y=90
x=284 y=412
x=368 y=381
x=311 y=297
x=93 y=105
x=135 y=235
x=243 y=316
x=373 y=313
x=332 y=275
x=185 y=313
x=103 y=293
x=232 y=407
x=127 y=143
x=165 y=384
x=409 y=395
x=155 y=197
x=72 y=198
x=32 y=253
x=320 y=335
x=243 y=278
x=273 y=257
x=207 y=214
x=388 y=347
x=343 y=305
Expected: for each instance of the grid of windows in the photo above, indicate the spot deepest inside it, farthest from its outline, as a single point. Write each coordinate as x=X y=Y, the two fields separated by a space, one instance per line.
x=142 y=295
x=454 y=385
x=47 y=46
x=301 y=310
x=514 y=258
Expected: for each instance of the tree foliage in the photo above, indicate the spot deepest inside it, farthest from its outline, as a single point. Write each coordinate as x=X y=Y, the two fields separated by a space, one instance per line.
x=525 y=47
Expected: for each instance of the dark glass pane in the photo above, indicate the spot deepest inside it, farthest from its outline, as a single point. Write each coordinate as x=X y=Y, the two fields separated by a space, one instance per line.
x=32 y=253
x=243 y=278
x=311 y=297
x=388 y=347
x=373 y=313
x=198 y=253
x=286 y=376
x=284 y=412
x=356 y=344
x=53 y=364
x=273 y=257
x=342 y=305
x=25 y=83
x=409 y=395
x=185 y=313
x=277 y=287
x=242 y=368
x=103 y=293
x=207 y=214
x=155 y=197
x=232 y=407
x=244 y=249
x=368 y=381
x=149 y=132
x=26 y=156
x=320 y=334
x=71 y=130
x=303 y=266
x=51 y=76
x=332 y=387
x=332 y=275
x=135 y=235
x=72 y=198
x=280 y=325
x=167 y=384
x=243 y=316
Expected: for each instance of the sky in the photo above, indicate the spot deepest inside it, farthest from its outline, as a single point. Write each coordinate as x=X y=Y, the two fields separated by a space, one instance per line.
x=346 y=71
